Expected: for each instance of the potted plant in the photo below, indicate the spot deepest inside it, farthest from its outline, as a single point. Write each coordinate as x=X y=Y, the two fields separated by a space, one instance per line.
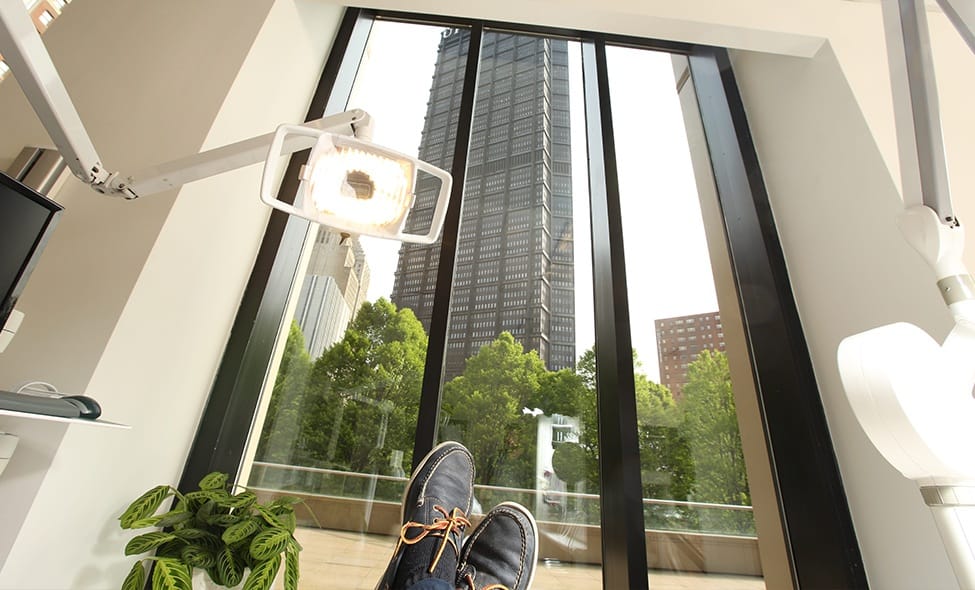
x=213 y=530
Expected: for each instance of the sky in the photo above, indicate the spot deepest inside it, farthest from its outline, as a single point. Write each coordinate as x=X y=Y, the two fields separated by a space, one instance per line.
x=667 y=265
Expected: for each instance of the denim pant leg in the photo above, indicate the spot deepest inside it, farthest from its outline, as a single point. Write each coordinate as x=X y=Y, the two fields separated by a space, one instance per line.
x=432 y=584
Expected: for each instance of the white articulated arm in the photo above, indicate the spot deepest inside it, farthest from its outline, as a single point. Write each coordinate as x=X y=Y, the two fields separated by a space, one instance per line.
x=236 y=155
x=961 y=13
x=349 y=183
x=913 y=396
x=924 y=171
x=24 y=52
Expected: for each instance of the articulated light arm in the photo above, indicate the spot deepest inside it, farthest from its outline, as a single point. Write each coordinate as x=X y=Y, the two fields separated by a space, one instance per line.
x=174 y=174
x=961 y=13
x=24 y=52
x=912 y=395
x=349 y=184
x=924 y=170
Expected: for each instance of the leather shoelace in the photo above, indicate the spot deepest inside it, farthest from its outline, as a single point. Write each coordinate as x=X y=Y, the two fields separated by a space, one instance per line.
x=453 y=522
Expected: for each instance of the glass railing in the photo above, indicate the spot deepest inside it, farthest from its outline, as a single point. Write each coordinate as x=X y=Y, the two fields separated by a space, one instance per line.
x=548 y=506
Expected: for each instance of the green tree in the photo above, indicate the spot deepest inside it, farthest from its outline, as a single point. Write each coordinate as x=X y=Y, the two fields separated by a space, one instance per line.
x=559 y=392
x=280 y=433
x=711 y=425
x=484 y=409
x=363 y=392
x=665 y=460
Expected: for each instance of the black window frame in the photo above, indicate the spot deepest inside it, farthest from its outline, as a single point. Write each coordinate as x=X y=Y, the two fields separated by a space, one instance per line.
x=820 y=540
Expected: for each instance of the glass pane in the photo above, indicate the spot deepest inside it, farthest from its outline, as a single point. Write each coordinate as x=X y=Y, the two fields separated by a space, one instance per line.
x=521 y=307
x=339 y=426
x=697 y=506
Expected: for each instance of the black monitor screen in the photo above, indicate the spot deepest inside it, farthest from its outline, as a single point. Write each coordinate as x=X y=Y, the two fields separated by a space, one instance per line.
x=26 y=221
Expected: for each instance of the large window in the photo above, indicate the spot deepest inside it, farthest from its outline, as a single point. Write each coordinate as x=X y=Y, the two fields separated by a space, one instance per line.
x=568 y=327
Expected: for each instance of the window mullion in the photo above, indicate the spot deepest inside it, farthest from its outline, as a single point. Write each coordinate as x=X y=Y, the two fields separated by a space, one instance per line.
x=623 y=537
x=426 y=427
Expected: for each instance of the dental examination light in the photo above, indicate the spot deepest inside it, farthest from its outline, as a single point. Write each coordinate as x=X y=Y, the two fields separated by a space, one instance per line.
x=349 y=184
x=913 y=396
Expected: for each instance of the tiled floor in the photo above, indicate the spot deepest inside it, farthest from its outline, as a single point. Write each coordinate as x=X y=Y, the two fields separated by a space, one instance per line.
x=334 y=560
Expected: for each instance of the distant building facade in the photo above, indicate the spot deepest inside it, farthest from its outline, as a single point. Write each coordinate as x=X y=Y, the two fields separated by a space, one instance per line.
x=514 y=267
x=680 y=340
x=335 y=286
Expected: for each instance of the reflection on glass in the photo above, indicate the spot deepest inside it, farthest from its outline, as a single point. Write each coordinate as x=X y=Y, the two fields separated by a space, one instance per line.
x=342 y=413
x=519 y=388
x=694 y=483
x=513 y=392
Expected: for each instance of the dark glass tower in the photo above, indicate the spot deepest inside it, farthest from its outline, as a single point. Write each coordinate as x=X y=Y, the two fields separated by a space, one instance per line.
x=514 y=269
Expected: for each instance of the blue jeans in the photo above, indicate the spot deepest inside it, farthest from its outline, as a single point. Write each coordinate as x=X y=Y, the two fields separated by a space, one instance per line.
x=432 y=584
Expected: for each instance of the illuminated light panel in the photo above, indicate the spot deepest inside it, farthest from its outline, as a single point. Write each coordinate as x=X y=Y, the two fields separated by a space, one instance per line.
x=361 y=188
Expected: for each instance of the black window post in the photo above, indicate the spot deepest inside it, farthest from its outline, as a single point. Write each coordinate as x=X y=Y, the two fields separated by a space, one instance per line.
x=621 y=490
x=816 y=520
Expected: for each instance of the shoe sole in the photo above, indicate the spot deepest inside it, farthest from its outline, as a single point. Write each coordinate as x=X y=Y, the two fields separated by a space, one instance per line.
x=534 y=529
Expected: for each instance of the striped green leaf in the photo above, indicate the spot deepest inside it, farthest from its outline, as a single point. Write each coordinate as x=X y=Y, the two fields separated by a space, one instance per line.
x=147 y=542
x=204 y=495
x=214 y=481
x=269 y=516
x=287 y=518
x=291 y=567
x=136 y=580
x=144 y=506
x=262 y=575
x=242 y=500
x=170 y=574
x=145 y=522
x=194 y=534
x=231 y=569
x=243 y=554
x=241 y=530
x=170 y=549
x=196 y=556
x=173 y=518
x=269 y=543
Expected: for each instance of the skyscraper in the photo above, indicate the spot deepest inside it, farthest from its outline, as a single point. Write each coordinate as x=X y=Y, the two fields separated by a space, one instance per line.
x=335 y=286
x=514 y=266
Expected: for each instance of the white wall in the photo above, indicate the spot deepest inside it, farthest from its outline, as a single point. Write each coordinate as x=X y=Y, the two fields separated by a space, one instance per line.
x=132 y=302
x=835 y=207
x=823 y=128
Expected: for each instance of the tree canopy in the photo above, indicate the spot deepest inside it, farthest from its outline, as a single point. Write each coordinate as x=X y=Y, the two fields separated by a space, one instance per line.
x=360 y=398
x=355 y=409
x=484 y=408
x=711 y=425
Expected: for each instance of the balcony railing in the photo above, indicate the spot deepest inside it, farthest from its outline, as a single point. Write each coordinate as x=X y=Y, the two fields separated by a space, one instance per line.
x=547 y=505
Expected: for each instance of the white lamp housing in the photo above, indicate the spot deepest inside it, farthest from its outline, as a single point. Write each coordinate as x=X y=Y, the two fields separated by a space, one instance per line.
x=913 y=400
x=355 y=186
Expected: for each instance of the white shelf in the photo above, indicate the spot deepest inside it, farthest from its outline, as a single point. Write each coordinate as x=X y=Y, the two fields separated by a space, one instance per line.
x=32 y=416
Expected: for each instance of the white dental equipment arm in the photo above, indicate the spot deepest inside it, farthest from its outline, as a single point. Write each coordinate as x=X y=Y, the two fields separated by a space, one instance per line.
x=376 y=203
x=912 y=396
x=24 y=51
